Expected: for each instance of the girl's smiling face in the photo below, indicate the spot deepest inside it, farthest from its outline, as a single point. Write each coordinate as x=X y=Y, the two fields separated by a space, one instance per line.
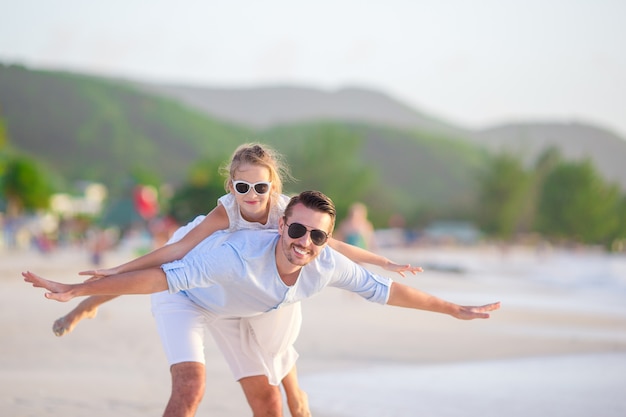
x=254 y=207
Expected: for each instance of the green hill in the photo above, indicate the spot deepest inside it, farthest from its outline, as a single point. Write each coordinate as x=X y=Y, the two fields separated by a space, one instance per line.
x=89 y=128
x=413 y=173
x=266 y=106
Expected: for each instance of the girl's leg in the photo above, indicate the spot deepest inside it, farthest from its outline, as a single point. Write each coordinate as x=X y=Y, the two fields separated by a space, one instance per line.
x=87 y=309
x=297 y=400
x=272 y=337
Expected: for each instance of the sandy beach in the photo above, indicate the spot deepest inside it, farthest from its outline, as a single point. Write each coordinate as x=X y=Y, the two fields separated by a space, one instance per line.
x=557 y=347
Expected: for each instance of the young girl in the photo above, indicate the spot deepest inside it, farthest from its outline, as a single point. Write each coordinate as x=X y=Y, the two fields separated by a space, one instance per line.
x=255 y=201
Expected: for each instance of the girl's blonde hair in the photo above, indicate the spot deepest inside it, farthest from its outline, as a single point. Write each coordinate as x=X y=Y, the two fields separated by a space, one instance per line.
x=261 y=155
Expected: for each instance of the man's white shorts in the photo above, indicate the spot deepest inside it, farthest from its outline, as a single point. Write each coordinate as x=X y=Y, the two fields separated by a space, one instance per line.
x=259 y=345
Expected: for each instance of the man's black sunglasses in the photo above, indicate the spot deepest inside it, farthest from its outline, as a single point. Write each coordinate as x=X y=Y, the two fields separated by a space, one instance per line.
x=297 y=230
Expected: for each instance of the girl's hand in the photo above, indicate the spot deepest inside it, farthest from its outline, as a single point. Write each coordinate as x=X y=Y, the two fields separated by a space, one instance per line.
x=401 y=269
x=98 y=273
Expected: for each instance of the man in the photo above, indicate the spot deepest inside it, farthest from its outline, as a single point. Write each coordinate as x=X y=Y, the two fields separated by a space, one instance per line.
x=253 y=272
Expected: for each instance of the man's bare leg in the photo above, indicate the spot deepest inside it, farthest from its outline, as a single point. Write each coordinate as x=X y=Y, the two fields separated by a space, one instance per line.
x=297 y=400
x=87 y=309
x=264 y=399
x=188 y=383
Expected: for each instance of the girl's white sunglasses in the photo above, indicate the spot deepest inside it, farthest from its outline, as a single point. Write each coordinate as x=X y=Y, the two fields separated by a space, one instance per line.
x=243 y=187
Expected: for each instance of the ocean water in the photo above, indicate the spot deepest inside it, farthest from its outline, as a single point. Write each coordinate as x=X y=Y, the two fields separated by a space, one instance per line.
x=559 y=279
x=567 y=386
x=581 y=385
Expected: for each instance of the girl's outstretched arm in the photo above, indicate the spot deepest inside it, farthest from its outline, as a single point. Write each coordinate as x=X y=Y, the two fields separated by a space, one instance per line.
x=146 y=281
x=216 y=220
x=359 y=255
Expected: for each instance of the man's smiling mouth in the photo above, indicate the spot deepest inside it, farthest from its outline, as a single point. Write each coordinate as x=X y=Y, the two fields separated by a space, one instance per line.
x=300 y=251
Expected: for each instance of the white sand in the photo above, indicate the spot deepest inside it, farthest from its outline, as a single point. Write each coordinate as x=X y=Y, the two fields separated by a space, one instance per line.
x=552 y=350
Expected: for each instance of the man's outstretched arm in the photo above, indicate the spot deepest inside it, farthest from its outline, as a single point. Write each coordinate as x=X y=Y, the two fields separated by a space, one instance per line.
x=146 y=281
x=404 y=296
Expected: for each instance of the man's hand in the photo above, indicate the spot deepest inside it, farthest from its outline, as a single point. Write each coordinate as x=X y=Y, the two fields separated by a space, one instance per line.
x=470 y=313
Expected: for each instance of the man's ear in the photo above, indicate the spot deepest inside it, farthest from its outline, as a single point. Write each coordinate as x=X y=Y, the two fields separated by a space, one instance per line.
x=281 y=225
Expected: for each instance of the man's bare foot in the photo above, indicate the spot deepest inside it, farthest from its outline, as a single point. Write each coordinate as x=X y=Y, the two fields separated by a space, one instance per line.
x=64 y=325
x=57 y=291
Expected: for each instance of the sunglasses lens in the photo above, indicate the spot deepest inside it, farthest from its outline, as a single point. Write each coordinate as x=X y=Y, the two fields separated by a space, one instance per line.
x=318 y=237
x=262 y=187
x=242 y=187
x=296 y=230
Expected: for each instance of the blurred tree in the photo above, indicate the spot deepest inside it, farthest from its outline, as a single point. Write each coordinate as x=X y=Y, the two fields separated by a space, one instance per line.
x=576 y=203
x=505 y=185
x=528 y=203
x=193 y=200
x=4 y=139
x=3 y=162
x=618 y=238
x=199 y=195
x=24 y=185
x=145 y=176
x=327 y=158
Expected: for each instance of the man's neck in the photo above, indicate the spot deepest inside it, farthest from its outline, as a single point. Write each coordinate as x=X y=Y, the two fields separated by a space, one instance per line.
x=290 y=278
x=287 y=271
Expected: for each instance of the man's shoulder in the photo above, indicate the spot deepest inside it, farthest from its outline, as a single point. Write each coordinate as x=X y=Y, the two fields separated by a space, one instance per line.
x=252 y=237
x=259 y=233
x=327 y=260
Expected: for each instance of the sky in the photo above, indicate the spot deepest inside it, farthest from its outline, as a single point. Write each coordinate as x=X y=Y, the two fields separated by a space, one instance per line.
x=473 y=63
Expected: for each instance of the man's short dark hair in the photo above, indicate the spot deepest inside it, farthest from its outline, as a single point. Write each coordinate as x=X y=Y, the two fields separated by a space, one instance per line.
x=313 y=200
